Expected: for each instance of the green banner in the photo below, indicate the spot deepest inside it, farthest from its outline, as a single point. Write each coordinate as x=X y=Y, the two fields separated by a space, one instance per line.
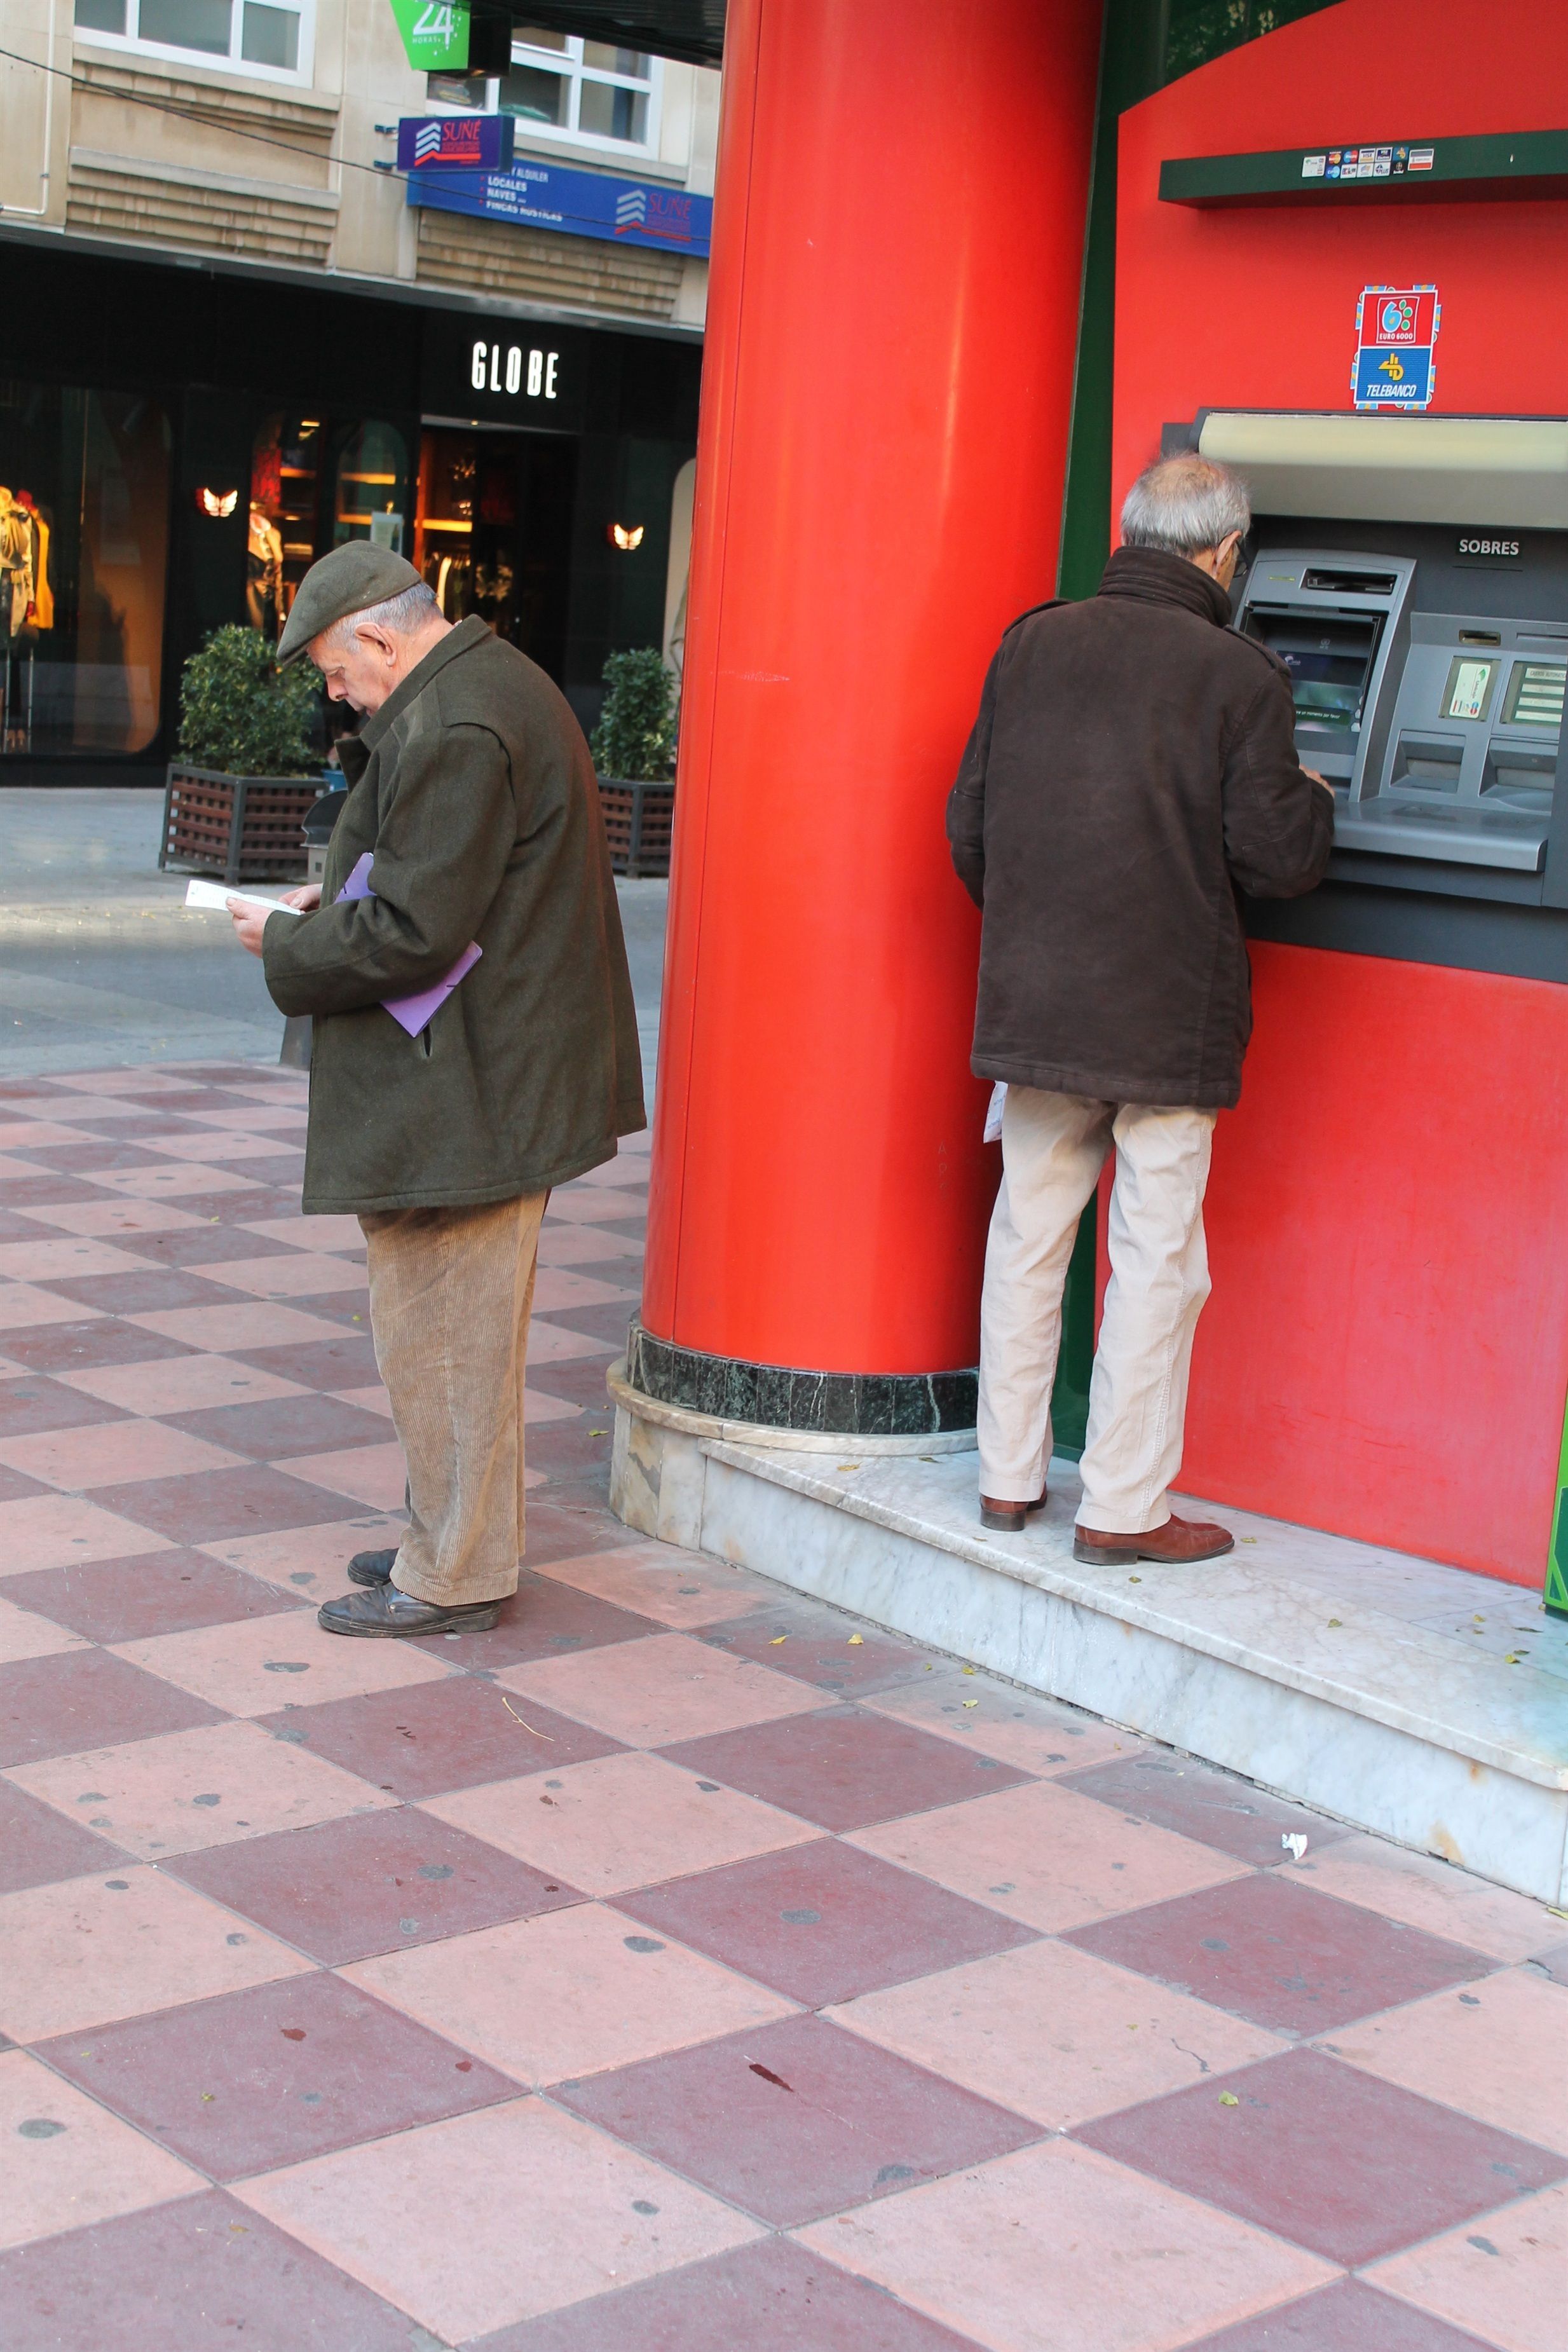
x=434 y=34
x=1555 y=1599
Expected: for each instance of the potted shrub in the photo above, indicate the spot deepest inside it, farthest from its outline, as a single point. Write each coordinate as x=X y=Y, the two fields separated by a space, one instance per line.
x=635 y=751
x=246 y=775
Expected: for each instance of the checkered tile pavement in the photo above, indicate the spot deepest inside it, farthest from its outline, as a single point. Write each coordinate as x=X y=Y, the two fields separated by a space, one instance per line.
x=676 y=1967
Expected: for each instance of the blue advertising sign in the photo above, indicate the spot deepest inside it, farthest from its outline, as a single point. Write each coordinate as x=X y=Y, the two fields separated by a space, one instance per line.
x=578 y=204
x=469 y=142
x=1394 y=379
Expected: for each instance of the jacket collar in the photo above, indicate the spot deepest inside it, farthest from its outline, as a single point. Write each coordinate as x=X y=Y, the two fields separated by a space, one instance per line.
x=1152 y=577
x=456 y=642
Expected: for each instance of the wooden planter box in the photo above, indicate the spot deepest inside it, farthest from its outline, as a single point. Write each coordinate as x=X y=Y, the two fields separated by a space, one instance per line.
x=243 y=828
x=638 y=818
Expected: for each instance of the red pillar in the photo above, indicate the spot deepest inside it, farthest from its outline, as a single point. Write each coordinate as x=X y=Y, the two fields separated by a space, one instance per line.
x=891 y=335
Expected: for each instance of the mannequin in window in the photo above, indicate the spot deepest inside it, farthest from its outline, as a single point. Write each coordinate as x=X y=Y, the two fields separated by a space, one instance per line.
x=42 y=613
x=264 y=572
x=15 y=566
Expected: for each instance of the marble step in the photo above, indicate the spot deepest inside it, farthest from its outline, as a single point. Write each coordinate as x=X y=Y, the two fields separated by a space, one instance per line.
x=1407 y=1697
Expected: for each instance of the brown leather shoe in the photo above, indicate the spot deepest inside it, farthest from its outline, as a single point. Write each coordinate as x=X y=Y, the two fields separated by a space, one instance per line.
x=1008 y=1516
x=1177 y=1543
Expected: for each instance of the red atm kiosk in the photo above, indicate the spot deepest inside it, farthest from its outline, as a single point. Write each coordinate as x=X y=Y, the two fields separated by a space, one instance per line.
x=1370 y=203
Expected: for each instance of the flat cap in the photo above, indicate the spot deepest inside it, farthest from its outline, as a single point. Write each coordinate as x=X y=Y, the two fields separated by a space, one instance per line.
x=350 y=578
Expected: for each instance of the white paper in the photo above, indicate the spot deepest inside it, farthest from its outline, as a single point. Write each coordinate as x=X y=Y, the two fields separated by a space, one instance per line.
x=212 y=894
x=992 y=1131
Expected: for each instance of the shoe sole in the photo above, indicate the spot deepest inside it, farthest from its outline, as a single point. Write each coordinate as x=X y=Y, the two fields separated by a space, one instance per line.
x=1008 y=1523
x=363 y=1576
x=1102 y=1556
x=480 y=1622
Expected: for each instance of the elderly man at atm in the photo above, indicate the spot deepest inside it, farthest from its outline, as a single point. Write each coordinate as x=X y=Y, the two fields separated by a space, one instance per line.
x=472 y=820
x=1133 y=767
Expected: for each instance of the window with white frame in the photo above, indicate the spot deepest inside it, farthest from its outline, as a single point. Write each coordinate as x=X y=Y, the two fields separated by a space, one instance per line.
x=269 y=37
x=565 y=87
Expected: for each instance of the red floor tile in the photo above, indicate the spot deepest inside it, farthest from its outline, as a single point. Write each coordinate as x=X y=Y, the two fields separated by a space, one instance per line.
x=436 y=1735
x=844 y=1767
x=371 y=1883
x=87 y=1699
x=15 y=1228
x=575 y=1380
x=13 y=1486
x=251 y=1204
x=86 y=1159
x=556 y=1534
x=131 y=1599
x=28 y=1406
x=38 y=1847
x=284 y=1168
x=275 y=2074
x=203 y=1245
x=44 y=1190
x=1346 y=2317
x=210 y=1505
x=153 y=1292
x=1281 y=1955
x=607 y=1323
x=824 y=1922
x=814 y=1641
x=1216 y=1808
x=1345 y=2165
x=279 y=1426
x=796 y=2120
x=545 y=1619
x=347 y=1363
x=82 y=1347
x=189 y=2276
x=769 y=2297
x=570 y=1450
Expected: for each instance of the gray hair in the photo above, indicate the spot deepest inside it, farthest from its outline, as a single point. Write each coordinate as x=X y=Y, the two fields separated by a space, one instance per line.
x=400 y=615
x=1185 y=504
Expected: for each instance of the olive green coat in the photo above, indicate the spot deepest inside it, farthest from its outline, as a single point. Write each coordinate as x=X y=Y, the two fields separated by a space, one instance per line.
x=474 y=788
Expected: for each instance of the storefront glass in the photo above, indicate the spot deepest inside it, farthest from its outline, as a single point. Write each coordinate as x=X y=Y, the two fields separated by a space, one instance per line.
x=283 y=499
x=84 y=542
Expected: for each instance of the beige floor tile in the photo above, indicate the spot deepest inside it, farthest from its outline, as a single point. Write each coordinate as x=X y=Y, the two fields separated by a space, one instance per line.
x=1047 y=1856
x=1500 y=2277
x=1058 y=2250
x=373 y=1475
x=679 y=1588
x=61 y=1532
x=24 y=1635
x=1423 y=1892
x=666 y=1688
x=113 y=1453
x=1034 y=1734
x=88 y=1950
x=64 y=2161
x=1498 y=2050
x=256 y=1666
x=181 y=1384
x=476 y=2223
x=184 y=1789
x=312 y=1561
x=619 y=1821
x=1054 y=2034
x=568 y=1994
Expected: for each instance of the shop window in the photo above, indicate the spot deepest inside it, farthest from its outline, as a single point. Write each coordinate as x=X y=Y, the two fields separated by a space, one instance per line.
x=269 y=37
x=371 y=485
x=285 y=491
x=84 y=543
x=589 y=90
x=1198 y=30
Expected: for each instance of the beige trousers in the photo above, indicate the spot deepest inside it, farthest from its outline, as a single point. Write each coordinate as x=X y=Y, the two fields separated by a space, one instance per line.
x=1054 y=1147
x=450 y=1292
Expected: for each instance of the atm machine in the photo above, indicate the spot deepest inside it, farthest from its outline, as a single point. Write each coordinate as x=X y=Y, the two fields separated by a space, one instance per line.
x=1412 y=574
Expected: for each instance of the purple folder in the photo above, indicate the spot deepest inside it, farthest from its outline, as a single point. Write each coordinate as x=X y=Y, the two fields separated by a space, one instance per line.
x=412 y=1013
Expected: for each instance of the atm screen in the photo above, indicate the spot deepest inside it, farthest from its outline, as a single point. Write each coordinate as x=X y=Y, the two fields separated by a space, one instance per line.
x=1329 y=659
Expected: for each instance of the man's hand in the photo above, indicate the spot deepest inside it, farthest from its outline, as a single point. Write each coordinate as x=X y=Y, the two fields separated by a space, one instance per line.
x=250 y=922
x=1318 y=779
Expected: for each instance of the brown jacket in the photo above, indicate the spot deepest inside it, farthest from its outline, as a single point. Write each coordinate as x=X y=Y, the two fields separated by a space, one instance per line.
x=1133 y=765
x=472 y=786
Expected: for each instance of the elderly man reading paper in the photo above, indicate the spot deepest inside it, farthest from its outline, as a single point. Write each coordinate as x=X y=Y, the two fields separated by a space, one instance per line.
x=472 y=821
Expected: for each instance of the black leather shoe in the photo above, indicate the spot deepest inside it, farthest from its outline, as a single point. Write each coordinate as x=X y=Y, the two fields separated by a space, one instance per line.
x=371 y=1566
x=382 y=1612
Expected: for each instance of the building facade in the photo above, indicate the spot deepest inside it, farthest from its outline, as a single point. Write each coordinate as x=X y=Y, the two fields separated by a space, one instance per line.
x=244 y=332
